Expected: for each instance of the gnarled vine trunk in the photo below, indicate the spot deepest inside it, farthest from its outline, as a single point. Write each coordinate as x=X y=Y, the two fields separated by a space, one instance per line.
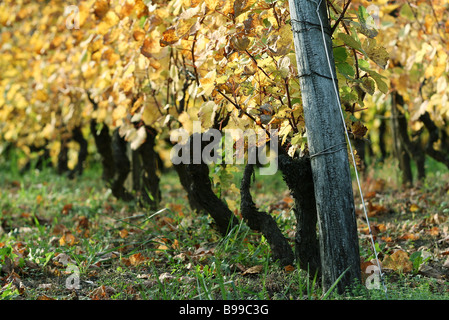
x=145 y=167
x=122 y=167
x=103 y=142
x=77 y=136
x=194 y=177
x=297 y=174
x=263 y=222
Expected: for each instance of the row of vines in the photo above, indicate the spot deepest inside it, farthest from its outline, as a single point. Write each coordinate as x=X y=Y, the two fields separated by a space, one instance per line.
x=112 y=79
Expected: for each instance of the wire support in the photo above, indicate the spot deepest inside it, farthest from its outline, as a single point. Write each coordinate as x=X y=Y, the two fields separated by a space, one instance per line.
x=329 y=150
x=305 y=26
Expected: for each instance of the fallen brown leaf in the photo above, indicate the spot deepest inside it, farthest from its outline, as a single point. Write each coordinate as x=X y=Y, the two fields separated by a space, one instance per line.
x=435 y=231
x=289 y=268
x=124 y=233
x=375 y=209
x=45 y=297
x=62 y=260
x=409 y=236
x=137 y=259
x=68 y=239
x=67 y=208
x=83 y=222
x=253 y=270
x=102 y=293
x=59 y=229
x=399 y=261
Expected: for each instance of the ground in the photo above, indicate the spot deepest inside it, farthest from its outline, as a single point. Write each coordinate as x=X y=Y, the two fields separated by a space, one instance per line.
x=71 y=239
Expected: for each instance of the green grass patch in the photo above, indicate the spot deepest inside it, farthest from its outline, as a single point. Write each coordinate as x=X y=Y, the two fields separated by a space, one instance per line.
x=71 y=239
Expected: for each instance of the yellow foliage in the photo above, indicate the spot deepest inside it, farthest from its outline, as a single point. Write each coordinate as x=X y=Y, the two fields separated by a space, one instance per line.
x=186 y=60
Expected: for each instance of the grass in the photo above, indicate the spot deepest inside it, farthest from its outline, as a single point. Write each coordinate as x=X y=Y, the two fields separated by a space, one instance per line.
x=56 y=233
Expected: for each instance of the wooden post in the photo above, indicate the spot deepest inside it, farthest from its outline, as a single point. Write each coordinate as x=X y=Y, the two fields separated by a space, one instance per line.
x=339 y=247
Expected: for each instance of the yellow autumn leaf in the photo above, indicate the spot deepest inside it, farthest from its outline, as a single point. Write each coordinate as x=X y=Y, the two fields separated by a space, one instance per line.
x=175 y=244
x=141 y=9
x=184 y=26
x=83 y=14
x=206 y=114
x=161 y=248
x=186 y=122
x=110 y=20
x=150 y=113
x=286 y=128
x=208 y=83
x=41 y=95
x=441 y=64
x=211 y=4
x=169 y=37
x=284 y=43
x=101 y=7
x=139 y=138
x=119 y=112
x=150 y=46
x=128 y=84
x=429 y=22
x=225 y=6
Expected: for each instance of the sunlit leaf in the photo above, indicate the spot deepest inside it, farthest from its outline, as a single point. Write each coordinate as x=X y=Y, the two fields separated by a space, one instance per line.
x=376 y=53
x=169 y=37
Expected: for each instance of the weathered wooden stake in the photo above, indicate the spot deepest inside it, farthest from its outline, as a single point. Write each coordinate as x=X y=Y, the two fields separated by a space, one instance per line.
x=339 y=247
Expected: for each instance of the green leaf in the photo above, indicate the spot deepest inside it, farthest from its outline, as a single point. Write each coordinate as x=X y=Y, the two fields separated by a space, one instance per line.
x=348 y=95
x=416 y=260
x=296 y=100
x=266 y=23
x=362 y=14
x=142 y=21
x=298 y=138
x=406 y=12
x=367 y=84
x=340 y=54
x=350 y=41
x=345 y=69
x=378 y=78
x=364 y=65
x=381 y=85
x=366 y=23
